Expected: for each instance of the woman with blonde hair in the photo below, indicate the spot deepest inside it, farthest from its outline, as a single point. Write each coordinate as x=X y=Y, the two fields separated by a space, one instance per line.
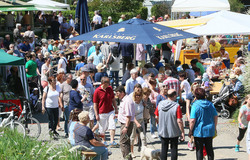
x=190 y=99
x=138 y=121
x=85 y=137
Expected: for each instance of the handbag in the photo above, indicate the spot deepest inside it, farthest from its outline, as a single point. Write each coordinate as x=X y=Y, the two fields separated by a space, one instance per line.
x=233 y=101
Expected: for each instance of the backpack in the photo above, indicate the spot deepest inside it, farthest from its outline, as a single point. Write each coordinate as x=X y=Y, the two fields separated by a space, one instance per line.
x=67 y=66
x=115 y=51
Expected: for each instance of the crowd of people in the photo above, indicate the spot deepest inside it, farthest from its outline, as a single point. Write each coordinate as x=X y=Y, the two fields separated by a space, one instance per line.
x=155 y=90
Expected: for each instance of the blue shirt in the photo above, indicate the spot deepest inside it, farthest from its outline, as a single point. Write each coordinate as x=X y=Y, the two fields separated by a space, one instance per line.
x=25 y=47
x=97 y=58
x=203 y=112
x=74 y=100
x=159 y=65
x=71 y=132
x=79 y=65
x=160 y=98
x=99 y=75
x=91 y=50
x=50 y=48
x=130 y=83
x=127 y=49
x=39 y=64
x=238 y=88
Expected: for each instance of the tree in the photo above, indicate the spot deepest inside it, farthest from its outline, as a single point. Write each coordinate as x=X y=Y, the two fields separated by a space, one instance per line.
x=159 y=9
x=236 y=6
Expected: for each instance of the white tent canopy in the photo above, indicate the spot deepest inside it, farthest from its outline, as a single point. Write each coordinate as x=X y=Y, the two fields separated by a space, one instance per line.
x=224 y=23
x=200 y=5
x=50 y=3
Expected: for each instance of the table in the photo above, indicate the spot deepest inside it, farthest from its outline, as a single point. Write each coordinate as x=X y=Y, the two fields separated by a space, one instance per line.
x=216 y=87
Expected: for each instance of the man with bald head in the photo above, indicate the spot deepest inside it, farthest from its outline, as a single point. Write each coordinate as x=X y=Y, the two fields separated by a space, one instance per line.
x=170 y=127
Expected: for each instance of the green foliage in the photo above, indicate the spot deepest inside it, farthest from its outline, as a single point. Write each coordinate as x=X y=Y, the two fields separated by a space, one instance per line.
x=159 y=9
x=236 y=5
x=236 y=114
x=246 y=76
x=144 y=13
x=68 y=12
x=115 y=8
x=14 y=146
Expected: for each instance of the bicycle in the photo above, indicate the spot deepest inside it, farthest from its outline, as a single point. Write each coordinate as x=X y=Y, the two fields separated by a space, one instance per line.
x=31 y=124
x=11 y=121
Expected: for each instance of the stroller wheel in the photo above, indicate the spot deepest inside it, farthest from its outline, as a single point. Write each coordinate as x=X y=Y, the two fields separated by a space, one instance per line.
x=225 y=113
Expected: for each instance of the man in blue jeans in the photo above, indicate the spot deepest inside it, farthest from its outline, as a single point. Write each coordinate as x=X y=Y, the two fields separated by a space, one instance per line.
x=66 y=88
x=170 y=125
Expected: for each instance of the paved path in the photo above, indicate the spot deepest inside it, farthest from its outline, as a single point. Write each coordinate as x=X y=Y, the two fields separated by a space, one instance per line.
x=223 y=144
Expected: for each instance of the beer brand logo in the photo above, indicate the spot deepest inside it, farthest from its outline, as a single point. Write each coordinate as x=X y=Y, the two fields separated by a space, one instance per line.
x=121 y=30
x=157 y=29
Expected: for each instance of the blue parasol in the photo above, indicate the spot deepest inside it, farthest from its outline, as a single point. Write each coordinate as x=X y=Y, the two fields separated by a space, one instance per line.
x=135 y=31
x=82 y=17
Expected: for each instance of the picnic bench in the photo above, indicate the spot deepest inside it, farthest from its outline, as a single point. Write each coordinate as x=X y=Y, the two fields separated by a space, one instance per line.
x=216 y=87
x=88 y=154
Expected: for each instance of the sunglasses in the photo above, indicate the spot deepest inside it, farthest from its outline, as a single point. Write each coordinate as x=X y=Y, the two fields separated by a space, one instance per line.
x=82 y=79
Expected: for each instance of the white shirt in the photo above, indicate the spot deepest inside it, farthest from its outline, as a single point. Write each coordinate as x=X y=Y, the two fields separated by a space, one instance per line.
x=203 y=47
x=97 y=19
x=115 y=66
x=82 y=49
x=60 y=19
x=187 y=88
x=139 y=111
x=43 y=76
x=72 y=23
x=63 y=61
x=52 y=97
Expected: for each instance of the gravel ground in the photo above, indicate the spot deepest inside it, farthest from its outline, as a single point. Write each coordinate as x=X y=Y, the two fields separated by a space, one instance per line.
x=223 y=144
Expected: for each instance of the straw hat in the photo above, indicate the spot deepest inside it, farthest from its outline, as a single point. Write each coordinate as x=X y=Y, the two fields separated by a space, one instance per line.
x=100 y=66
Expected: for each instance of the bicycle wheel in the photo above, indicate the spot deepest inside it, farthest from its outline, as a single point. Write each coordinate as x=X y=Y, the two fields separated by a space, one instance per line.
x=17 y=127
x=32 y=127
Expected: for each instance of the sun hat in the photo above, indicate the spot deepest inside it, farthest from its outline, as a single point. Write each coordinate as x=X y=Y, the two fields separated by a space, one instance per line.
x=100 y=66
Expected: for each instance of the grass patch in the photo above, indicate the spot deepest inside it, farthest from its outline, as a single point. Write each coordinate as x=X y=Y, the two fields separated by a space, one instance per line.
x=15 y=147
x=236 y=114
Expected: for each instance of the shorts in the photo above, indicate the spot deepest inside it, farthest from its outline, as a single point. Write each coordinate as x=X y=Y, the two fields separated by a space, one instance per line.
x=106 y=122
x=90 y=109
x=141 y=63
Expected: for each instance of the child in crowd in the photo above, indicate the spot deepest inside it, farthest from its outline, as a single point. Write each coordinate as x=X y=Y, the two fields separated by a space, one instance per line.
x=243 y=119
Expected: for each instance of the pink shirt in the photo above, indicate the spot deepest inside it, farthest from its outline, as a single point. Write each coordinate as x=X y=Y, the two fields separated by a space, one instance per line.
x=140 y=52
x=153 y=96
x=126 y=109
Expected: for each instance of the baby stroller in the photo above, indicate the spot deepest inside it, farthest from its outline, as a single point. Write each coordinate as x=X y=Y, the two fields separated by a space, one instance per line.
x=221 y=100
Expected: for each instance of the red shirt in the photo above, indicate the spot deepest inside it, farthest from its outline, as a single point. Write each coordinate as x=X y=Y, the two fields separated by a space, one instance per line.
x=178 y=112
x=104 y=99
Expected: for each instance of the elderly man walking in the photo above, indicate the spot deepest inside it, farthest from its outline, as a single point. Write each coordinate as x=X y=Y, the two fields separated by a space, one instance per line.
x=170 y=125
x=125 y=117
x=105 y=109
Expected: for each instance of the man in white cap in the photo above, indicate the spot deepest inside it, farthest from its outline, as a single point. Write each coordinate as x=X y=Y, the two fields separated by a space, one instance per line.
x=132 y=81
x=122 y=18
x=109 y=22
